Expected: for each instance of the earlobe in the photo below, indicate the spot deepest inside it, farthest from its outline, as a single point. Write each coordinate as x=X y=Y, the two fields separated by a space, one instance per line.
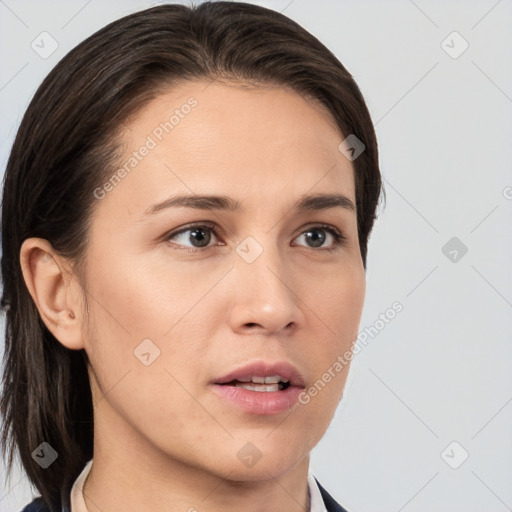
x=50 y=285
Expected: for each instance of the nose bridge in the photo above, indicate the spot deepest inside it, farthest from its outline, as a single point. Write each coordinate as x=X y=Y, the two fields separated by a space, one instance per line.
x=265 y=294
x=260 y=260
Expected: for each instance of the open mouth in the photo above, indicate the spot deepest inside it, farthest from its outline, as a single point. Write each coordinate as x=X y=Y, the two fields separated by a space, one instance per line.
x=266 y=386
x=261 y=387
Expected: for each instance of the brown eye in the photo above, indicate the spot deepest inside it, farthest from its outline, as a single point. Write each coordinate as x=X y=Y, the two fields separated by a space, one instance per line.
x=197 y=236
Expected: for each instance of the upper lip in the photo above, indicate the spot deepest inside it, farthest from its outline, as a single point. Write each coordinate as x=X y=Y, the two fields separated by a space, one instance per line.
x=264 y=369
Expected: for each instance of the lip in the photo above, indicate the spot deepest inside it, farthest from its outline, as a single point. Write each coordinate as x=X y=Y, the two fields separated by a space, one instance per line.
x=261 y=402
x=264 y=369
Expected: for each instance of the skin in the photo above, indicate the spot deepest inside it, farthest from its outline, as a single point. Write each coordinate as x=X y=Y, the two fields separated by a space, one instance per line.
x=163 y=439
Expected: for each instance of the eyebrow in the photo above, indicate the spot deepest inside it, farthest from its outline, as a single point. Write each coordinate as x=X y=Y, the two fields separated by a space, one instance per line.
x=315 y=202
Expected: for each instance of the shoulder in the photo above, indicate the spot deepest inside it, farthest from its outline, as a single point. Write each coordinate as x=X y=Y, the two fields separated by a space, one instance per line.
x=330 y=503
x=38 y=505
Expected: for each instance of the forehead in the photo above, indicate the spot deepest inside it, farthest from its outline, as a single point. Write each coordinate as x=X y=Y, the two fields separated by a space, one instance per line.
x=226 y=138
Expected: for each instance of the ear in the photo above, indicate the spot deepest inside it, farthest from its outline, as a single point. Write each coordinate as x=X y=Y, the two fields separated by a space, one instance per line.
x=55 y=291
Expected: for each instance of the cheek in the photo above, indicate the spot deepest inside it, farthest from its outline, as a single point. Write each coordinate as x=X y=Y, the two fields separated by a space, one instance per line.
x=140 y=298
x=352 y=289
x=336 y=309
x=336 y=302
x=347 y=306
x=143 y=312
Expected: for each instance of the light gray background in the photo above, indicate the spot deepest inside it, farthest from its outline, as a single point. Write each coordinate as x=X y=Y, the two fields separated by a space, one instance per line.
x=441 y=370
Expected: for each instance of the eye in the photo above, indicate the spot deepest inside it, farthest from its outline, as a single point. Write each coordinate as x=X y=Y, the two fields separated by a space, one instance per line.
x=198 y=235
x=316 y=237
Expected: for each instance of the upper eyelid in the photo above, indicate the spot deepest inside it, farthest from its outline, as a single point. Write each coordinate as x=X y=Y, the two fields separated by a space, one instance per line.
x=203 y=224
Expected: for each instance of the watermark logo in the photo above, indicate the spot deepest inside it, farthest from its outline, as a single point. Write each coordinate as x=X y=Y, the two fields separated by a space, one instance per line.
x=44 y=45
x=45 y=455
x=455 y=455
x=249 y=455
x=147 y=352
x=249 y=249
x=454 y=45
x=454 y=250
x=151 y=142
x=352 y=147
x=344 y=360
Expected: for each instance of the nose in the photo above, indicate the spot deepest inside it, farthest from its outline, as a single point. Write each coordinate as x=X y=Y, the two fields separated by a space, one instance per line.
x=263 y=299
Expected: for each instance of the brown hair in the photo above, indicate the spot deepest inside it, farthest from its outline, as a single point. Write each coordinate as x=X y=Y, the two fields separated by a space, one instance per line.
x=66 y=147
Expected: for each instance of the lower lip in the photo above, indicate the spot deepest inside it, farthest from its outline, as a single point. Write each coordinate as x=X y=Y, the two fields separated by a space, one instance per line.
x=260 y=402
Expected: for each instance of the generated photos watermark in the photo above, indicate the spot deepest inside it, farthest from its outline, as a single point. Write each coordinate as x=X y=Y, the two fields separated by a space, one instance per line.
x=151 y=142
x=344 y=359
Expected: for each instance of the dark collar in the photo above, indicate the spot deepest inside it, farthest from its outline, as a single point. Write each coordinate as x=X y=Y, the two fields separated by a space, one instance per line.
x=330 y=503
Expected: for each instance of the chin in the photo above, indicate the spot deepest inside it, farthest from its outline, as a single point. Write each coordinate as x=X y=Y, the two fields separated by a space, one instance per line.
x=261 y=457
x=262 y=470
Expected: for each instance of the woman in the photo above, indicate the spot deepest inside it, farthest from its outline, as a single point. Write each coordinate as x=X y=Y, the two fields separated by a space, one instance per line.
x=185 y=217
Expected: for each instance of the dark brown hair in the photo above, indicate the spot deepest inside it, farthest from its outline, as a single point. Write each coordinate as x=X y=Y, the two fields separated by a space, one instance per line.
x=66 y=146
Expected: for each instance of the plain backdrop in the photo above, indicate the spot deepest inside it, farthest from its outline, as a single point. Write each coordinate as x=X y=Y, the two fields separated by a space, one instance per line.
x=426 y=419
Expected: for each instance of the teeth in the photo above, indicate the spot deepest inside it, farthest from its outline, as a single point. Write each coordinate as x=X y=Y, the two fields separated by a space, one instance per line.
x=273 y=379
x=258 y=387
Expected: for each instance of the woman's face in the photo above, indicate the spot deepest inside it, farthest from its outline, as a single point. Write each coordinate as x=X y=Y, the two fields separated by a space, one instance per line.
x=181 y=297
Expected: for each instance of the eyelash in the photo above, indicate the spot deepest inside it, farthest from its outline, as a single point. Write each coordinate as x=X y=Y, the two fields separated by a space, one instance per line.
x=339 y=238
